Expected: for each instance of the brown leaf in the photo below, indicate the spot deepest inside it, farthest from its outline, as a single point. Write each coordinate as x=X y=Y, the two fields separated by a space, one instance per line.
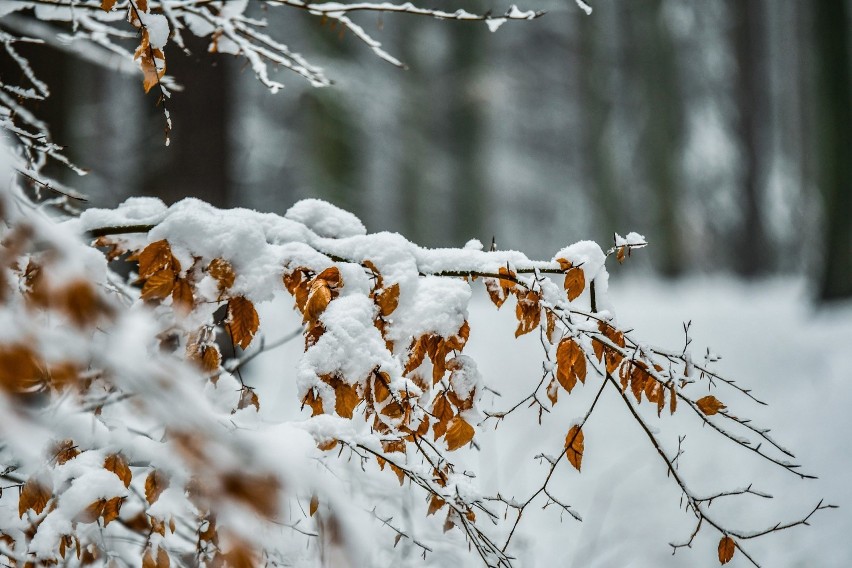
x=148 y=559
x=155 y=484
x=248 y=398
x=400 y=475
x=19 y=369
x=111 y=509
x=159 y=285
x=314 y=505
x=80 y=302
x=242 y=321
x=528 y=312
x=154 y=258
x=570 y=364
x=551 y=325
x=314 y=401
x=393 y=410
x=726 y=549
x=575 y=282
x=91 y=513
x=260 y=492
x=222 y=271
x=152 y=61
x=318 y=299
x=621 y=253
x=210 y=358
x=34 y=495
x=639 y=377
x=64 y=451
x=709 y=405
x=182 y=296
x=459 y=433
x=163 y=560
x=388 y=299
x=117 y=464
x=574 y=446
x=434 y=504
x=106 y=5
x=672 y=398
x=380 y=386
x=346 y=399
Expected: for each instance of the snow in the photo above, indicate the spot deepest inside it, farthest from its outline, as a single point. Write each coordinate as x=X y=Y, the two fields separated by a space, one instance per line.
x=325 y=219
x=158 y=29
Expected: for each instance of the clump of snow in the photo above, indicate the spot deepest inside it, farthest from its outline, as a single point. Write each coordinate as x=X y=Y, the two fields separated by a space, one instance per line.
x=325 y=219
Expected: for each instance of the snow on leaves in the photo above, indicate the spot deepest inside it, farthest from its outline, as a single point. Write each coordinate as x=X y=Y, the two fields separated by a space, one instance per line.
x=384 y=352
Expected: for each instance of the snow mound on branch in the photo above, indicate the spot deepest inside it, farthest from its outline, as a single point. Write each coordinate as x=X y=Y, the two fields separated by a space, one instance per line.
x=325 y=219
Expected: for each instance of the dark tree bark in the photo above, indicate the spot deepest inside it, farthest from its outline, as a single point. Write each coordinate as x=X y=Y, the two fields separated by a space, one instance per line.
x=466 y=134
x=751 y=253
x=195 y=164
x=833 y=136
x=662 y=136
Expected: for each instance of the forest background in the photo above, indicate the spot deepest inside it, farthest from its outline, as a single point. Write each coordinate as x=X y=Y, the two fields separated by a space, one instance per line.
x=719 y=130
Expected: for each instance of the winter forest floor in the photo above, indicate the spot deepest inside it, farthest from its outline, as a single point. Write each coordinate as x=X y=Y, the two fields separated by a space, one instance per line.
x=772 y=339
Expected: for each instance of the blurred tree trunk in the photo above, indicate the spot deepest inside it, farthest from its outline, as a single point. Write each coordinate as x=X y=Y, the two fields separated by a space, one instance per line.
x=662 y=136
x=195 y=164
x=597 y=113
x=751 y=253
x=330 y=132
x=414 y=121
x=466 y=120
x=834 y=140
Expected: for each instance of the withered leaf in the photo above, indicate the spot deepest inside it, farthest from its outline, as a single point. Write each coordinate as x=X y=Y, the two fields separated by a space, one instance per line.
x=314 y=401
x=248 y=398
x=435 y=503
x=393 y=410
x=345 y=399
x=380 y=386
x=222 y=271
x=459 y=433
x=575 y=282
x=388 y=299
x=182 y=296
x=621 y=253
x=709 y=405
x=726 y=549
x=34 y=495
x=210 y=358
x=570 y=364
x=154 y=258
x=64 y=451
x=106 y=5
x=159 y=285
x=242 y=321
x=155 y=484
x=91 y=513
x=574 y=446
x=314 y=505
x=318 y=299
x=111 y=509
x=528 y=312
x=117 y=464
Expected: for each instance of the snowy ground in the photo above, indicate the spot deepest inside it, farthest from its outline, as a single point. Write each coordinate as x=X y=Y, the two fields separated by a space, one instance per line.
x=772 y=340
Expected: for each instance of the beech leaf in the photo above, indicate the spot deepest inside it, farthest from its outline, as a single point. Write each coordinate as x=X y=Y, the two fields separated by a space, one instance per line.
x=242 y=321
x=117 y=464
x=575 y=282
x=574 y=446
x=709 y=405
x=459 y=433
x=726 y=549
x=155 y=484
